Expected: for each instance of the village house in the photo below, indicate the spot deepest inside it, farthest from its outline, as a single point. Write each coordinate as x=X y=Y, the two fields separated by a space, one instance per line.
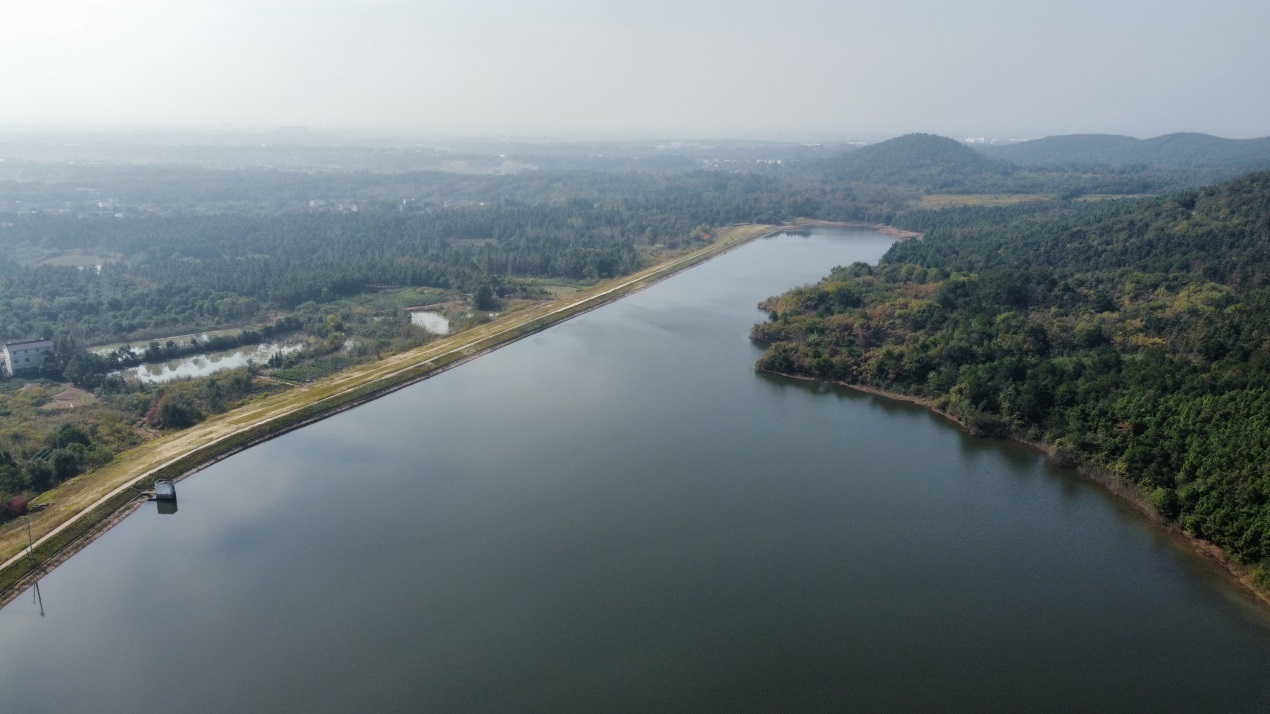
x=25 y=356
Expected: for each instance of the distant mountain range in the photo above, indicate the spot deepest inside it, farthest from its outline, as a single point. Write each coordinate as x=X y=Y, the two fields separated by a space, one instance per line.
x=1183 y=150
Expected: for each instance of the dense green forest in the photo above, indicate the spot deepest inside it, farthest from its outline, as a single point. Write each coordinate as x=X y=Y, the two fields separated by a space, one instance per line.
x=183 y=269
x=1132 y=335
x=197 y=271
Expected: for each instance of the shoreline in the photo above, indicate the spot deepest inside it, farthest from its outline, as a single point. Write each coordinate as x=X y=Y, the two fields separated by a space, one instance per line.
x=221 y=437
x=1126 y=493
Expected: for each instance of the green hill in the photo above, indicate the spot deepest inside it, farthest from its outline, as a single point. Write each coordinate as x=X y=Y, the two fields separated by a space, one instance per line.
x=924 y=161
x=1183 y=150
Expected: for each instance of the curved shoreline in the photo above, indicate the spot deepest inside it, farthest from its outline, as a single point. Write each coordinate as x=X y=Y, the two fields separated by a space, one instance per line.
x=219 y=438
x=1125 y=492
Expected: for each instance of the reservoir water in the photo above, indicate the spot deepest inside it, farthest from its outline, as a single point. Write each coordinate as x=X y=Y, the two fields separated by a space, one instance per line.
x=619 y=514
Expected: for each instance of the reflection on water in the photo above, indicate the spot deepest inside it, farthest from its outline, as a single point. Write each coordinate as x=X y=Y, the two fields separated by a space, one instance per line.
x=209 y=363
x=433 y=322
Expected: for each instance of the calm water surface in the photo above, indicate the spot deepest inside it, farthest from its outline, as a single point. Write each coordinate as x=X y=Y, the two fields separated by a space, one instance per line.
x=433 y=322
x=619 y=514
x=207 y=363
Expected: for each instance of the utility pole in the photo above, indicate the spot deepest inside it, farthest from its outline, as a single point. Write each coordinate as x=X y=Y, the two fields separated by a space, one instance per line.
x=30 y=554
x=30 y=543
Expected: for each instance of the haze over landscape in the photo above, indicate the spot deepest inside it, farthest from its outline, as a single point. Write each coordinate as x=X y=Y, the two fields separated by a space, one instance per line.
x=560 y=355
x=703 y=68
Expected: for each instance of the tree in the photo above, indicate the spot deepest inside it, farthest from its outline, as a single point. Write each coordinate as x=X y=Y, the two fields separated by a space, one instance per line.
x=174 y=411
x=50 y=367
x=39 y=475
x=68 y=434
x=87 y=370
x=483 y=299
x=65 y=464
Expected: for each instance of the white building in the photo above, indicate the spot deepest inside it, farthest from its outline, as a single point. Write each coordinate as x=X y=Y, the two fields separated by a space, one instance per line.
x=25 y=356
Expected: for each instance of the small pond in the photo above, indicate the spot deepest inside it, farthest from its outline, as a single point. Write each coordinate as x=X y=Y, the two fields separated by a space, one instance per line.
x=201 y=365
x=433 y=322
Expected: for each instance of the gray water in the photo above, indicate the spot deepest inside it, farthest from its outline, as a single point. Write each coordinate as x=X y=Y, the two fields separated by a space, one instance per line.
x=620 y=514
x=433 y=322
x=207 y=363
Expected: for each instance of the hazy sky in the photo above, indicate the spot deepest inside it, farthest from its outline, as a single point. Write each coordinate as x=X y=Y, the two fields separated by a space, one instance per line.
x=681 y=68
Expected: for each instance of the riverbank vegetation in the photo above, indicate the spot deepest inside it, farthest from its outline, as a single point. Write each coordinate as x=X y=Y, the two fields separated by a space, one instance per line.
x=1133 y=336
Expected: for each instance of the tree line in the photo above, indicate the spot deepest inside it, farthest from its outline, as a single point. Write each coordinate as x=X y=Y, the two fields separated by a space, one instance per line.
x=1134 y=336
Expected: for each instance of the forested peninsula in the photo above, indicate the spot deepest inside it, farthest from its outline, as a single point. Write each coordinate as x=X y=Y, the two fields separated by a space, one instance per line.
x=1132 y=337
